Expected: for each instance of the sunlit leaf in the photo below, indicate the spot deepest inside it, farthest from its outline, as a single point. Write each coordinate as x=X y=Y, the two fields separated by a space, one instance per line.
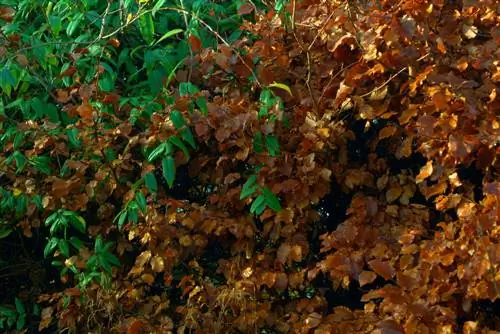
x=281 y=86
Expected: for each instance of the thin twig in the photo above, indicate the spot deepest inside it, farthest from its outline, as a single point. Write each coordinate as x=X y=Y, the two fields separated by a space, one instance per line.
x=385 y=82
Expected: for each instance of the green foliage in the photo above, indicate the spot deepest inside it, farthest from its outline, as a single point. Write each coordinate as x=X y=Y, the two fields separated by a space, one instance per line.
x=13 y=317
x=264 y=199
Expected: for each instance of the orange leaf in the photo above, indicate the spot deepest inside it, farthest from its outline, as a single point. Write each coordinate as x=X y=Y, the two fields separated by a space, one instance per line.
x=462 y=64
x=135 y=327
x=387 y=132
x=195 y=43
x=425 y=172
x=85 y=110
x=114 y=43
x=440 y=45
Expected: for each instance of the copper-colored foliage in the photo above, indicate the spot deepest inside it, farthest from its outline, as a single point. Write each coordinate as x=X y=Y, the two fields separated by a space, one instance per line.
x=394 y=116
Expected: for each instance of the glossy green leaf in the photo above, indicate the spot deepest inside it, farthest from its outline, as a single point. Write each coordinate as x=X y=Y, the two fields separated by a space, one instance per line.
x=187 y=136
x=177 y=119
x=151 y=183
x=168 y=166
x=178 y=142
x=50 y=246
x=271 y=200
x=258 y=205
x=249 y=188
x=157 y=152
x=63 y=247
x=141 y=201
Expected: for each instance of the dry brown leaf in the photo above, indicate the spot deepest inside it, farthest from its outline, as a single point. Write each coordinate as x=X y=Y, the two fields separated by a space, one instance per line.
x=366 y=277
x=425 y=172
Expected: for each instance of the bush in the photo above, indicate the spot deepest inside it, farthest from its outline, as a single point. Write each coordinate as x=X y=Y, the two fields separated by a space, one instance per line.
x=232 y=166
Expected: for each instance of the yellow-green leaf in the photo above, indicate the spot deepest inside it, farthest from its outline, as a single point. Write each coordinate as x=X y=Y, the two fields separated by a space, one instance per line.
x=281 y=86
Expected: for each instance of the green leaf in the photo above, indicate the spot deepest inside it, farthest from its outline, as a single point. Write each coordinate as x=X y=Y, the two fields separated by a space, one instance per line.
x=168 y=166
x=50 y=246
x=151 y=183
x=178 y=142
x=20 y=160
x=187 y=136
x=281 y=86
x=249 y=188
x=258 y=205
x=41 y=163
x=177 y=119
x=5 y=231
x=168 y=34
x=78 y=222
x=271 y=200
x=98 y=244
x=74 y=141
x=75 y=21
x=63 y=247
x=201 y=102
x=121 y=220
x=21 y=322
x=75 y=242
x=258 y=142
x=157 y=152
x=157 y=7
x=147 y=27
x=7 y=80
x=141 y=201
x=55 y=24
x=272 y=145
x=187 y=88
x=111 y=258
x=19 y=307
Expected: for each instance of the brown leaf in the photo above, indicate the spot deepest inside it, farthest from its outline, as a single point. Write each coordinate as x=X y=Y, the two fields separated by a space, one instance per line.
x=393 y=193
x=46 y=318
x=7 y=13
x=268 y=278
x=366 y=277
x=245 y=9
x=69 y=72
x=382 y=268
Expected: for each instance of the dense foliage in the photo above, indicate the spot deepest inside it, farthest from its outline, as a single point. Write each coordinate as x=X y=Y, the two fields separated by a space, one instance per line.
x=302 y=166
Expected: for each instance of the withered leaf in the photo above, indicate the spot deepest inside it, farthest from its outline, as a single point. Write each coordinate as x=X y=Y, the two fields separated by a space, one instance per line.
x=366 y=277
x=425 y=172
